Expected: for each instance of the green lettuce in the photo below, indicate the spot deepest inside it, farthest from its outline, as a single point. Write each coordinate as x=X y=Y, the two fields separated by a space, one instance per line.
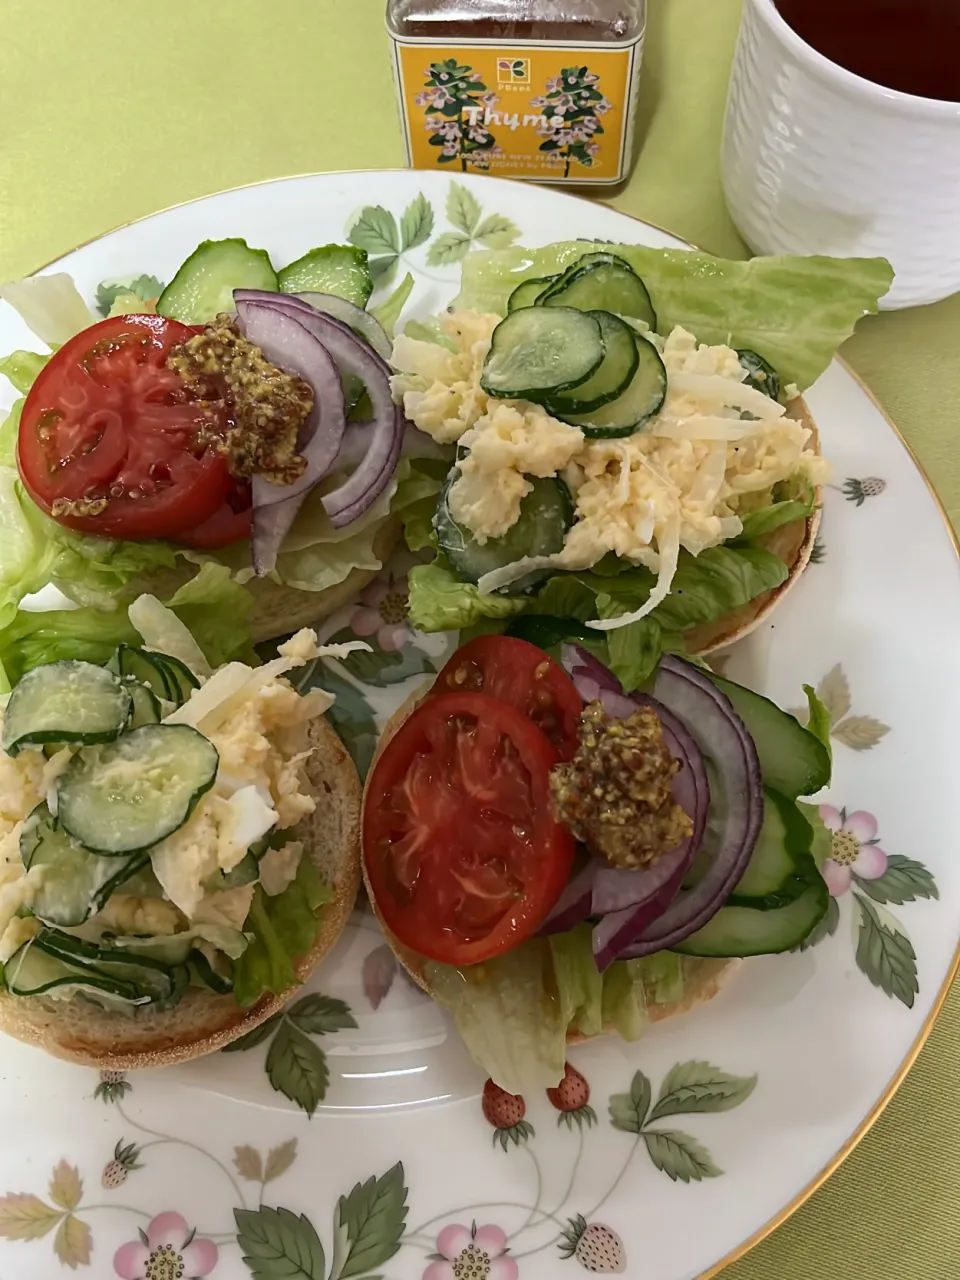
x=795 y=312
x=791 y=500
x=820 y=722
x=22 y=367
x=212 y=605
x=388 y=311
x=822 y=845
x=514 y=1012
x=706 y=588
x=279 y=931
x=439 y=601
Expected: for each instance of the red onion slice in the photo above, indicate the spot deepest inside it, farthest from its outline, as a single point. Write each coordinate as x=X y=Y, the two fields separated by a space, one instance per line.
x=353 y=357
x=291 y=346
x=573 y=905
x=723 y=737
x=360 y=321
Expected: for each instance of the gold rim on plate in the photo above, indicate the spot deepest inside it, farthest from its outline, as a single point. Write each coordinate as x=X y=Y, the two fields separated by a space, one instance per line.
x=923 y=1035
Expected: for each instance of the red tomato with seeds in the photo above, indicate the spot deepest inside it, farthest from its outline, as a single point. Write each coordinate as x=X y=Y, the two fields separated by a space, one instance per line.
x=522 y=675
x=109 y=427
x=461 y=849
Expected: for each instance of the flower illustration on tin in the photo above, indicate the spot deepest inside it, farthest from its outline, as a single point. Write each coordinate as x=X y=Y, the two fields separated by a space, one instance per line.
x=471 y=1253
x=168 y=1248
x=855 y=848
x=382 y=614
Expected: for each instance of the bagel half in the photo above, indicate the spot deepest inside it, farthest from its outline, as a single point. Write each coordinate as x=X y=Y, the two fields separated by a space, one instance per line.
x=703 y=978
x=82 y=1032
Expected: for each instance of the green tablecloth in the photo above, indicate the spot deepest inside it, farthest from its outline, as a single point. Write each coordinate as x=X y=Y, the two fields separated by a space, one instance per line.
x=109 y=111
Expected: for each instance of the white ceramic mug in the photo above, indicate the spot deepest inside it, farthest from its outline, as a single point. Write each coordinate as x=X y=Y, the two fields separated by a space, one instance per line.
x=818 y=160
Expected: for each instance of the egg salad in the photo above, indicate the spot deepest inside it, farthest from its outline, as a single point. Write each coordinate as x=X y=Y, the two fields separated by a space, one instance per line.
x=148 y=809
x=714 y=451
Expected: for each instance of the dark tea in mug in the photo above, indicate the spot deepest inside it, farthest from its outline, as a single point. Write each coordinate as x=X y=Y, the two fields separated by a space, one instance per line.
x=910 y=45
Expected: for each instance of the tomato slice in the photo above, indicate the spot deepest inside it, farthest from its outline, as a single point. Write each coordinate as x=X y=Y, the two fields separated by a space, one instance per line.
x=229 y=523
x=461 y=849
x=519 y=673
x=106 y=420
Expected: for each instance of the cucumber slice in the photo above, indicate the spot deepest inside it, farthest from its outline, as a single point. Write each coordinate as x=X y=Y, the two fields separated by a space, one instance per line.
x=738 y=930
x=171 y=949
x=180 y=678
x=145 y=667
x=32 y=971
x=204 y=972
x=546 y=513
x=774 y=874
x=642 y=400
x=527 y=293
x=793 y=761
x=155 y=982
x=538 y=352
x=65 y=702
x=137 y=791
x=615 y=374
x=760 y=374
x=334 y=268
x=146 y=705
x=601 y=282
x=203 y=287
x=77 y=883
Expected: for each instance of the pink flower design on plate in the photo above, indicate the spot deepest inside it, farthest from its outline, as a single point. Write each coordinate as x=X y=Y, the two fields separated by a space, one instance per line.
x=167 y=1248
x=475 y=1252
x=855 y=848
x=383 y=612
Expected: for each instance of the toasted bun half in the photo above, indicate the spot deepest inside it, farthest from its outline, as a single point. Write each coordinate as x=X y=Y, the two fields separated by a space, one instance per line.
x=278 y=609
x=793 y=543
x=80 y=1031
x=703 y=979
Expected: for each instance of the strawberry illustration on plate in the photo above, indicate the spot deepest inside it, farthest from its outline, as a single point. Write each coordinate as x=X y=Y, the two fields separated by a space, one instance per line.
x=571 y=1098
x=505 y=1111
x=125 y=1160
x=596 y=1247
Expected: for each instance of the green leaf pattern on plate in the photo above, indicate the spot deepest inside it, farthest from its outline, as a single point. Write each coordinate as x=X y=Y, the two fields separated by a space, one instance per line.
x=688 y=1088
x=376 y=230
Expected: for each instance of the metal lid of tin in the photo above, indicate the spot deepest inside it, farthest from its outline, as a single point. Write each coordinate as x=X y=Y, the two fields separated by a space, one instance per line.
x=570 y=21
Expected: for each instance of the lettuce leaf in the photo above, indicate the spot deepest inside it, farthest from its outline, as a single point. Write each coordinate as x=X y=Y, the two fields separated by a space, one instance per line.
x=439 y=601
x=279 y=930
x=822 y=845
x=706 y=587
x=215 y=608
x=50 y=305
x=388 y=311
x=514 y=1015
x=508 y=1018
x=791 y=500
x=795 y=312
x=22 y=367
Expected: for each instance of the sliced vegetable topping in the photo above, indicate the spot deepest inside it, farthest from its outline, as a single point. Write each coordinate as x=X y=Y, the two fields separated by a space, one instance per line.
x=546 y=514
x=76 y=882
x=460 y=847
x=536 y=353
x=65 y=702
x=203 y=287
x=524 y=677
x=138 y=790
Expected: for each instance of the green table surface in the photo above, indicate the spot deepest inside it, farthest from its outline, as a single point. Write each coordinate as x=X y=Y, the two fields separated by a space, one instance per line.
x=113 y=110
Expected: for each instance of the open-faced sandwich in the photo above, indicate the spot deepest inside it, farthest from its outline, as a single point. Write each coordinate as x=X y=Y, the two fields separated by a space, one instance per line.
x=239 y=417
x=634 y=456
x=179 y=846
x=553 y=859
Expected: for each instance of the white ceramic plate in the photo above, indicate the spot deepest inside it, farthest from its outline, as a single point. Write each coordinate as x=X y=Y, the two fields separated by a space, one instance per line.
x=398 y=1174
